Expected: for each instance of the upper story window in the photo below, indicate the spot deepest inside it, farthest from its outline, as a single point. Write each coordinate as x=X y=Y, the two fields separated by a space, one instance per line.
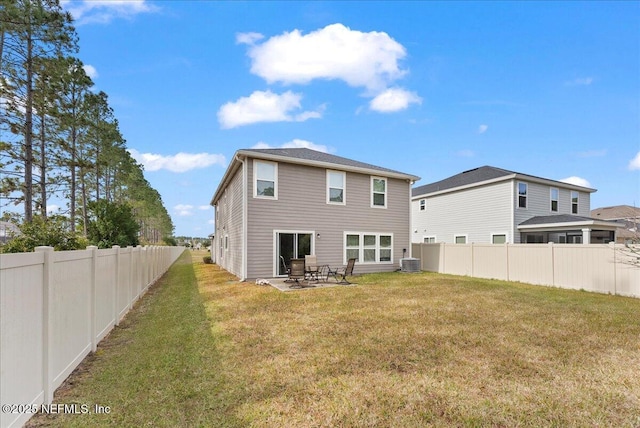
x=423 y=204
x=378 y=192
x=522 y=195
x=460 y=239
x=336 y=187
x=574 y=202
x=554 y=199
x=265 y=179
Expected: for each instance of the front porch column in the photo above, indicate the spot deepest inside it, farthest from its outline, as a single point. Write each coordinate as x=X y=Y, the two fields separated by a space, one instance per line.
x=586 y=236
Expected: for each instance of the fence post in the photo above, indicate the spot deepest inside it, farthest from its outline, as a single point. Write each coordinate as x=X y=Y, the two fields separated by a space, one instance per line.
x=612 y=244
x=553 y=264
x=130 y=287
x=115 y=296
x=47 y=284
x=92 y=302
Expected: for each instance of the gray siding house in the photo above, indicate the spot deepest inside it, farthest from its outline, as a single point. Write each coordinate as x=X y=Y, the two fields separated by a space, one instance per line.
x=493 y=205
x=288 y=203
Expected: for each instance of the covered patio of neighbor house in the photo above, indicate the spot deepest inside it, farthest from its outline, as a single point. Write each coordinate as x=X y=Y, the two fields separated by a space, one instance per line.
x=567 y=229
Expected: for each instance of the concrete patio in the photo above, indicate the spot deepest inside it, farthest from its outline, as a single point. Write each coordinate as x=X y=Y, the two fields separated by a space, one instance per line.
x=283 y=285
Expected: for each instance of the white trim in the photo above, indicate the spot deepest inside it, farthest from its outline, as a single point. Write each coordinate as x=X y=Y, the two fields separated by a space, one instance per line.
x=526 y=196
x=551 y=189
x=276 y=258
x=361 y=247
x=344 y=187
x=255 y=179
x=462 y=235
x=386 y=191
x=245 y=217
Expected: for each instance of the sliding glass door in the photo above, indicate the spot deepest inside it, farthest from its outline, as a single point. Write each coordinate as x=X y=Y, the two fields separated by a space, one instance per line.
x=291 y=245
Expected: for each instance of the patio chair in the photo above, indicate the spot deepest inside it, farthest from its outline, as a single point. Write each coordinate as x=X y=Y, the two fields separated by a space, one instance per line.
x=311 y=267
x=285 y=269
x=296 y=271
x=342 y=272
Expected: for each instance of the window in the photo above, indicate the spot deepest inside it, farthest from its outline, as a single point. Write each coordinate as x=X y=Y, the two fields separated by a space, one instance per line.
x=522 y=195
x=574 y=202
x=554 y=199
x=423 y=204
x=265 y=180
x=460 y=239
x=335 y=187
x=369 y=247
x=378 y=192
x=498 y=238
x=226 y=242
x=429 y=240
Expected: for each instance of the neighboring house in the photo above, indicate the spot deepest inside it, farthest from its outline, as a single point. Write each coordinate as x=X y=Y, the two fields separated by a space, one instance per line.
x=294 y=202
x=7 y=231
x=627 y=217
x=493 y=205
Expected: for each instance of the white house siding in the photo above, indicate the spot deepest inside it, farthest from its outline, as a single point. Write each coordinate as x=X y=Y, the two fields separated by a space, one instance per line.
x=539 y=203
x=476 y=213
x=301 y=206
x=229 y=225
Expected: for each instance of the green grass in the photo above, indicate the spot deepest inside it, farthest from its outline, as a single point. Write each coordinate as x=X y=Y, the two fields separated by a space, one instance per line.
x=396 y=350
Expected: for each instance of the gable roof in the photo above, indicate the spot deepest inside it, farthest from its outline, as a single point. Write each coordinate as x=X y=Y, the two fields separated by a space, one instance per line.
x=304 y=156
x=484 y=175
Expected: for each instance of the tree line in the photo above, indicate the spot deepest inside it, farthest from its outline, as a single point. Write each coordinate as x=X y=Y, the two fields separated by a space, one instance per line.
x=59 y=138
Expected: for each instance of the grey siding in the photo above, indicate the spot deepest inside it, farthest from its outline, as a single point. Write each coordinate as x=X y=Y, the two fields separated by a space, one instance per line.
x=476 y=212
x=301 y=206
x=229 y=224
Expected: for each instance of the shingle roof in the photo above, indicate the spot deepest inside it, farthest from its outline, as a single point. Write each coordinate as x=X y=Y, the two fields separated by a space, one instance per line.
x=471 y=176
x=559 y=218
x=305 y=154
x=478 y=175
x=617 y=212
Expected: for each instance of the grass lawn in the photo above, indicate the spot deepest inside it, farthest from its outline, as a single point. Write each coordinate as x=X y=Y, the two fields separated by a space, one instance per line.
x=402 y=350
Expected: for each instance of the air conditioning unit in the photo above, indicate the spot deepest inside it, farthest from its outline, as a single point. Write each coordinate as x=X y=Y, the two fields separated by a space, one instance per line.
x=410 y=265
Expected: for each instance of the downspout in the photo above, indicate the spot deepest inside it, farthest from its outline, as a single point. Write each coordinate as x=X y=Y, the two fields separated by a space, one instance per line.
x=244 y=219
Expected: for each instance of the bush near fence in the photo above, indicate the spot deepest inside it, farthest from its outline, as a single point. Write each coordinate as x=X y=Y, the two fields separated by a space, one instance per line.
x=54 y=309
x=600 y=268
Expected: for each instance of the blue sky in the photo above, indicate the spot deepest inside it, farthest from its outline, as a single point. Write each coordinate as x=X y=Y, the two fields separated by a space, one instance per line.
x=428 y=88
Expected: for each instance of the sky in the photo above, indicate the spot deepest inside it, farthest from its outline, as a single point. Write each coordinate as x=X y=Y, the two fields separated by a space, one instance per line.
x=550 y=89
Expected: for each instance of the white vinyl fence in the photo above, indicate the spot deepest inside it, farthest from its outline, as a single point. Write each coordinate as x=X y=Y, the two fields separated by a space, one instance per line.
x=54 y=309
x=600 y=268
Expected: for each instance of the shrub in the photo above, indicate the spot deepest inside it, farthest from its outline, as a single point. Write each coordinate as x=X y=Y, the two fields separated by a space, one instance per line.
x=52 y=231
x=207 y=259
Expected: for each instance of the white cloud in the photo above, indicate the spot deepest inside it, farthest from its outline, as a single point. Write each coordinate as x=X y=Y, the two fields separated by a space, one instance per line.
x=394 y=99
x=90 y=70
x=580 y=81
x=180 y=162
x=53 y=209
x=360 y=59
x=482 y=129
x=204 y=207
x=104 y=11
x=466 y=153
x=211 y=221
x=248 y=38
x=183 y=210
x=293 y=144
x=634 y=164
x=592 y=153
x=578 y=181
x=264 y=106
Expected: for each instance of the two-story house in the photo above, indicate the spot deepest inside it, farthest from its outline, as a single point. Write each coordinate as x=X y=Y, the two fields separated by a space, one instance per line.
x=293 y=202
x=493 y=205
